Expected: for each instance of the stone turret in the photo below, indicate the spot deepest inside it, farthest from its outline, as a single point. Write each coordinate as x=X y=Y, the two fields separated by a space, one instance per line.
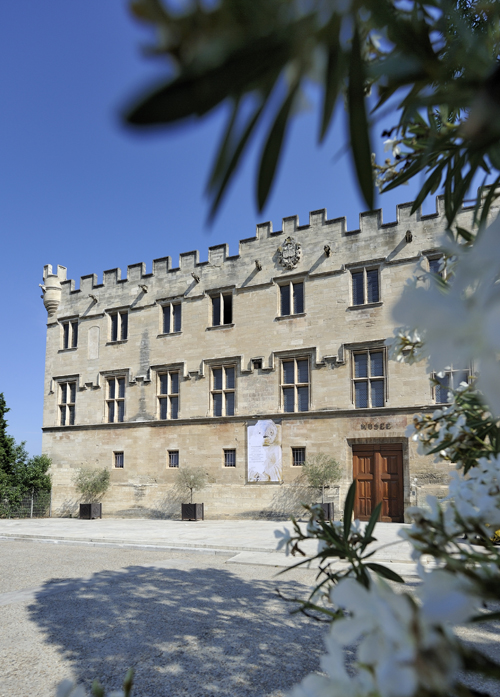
x=51 y=288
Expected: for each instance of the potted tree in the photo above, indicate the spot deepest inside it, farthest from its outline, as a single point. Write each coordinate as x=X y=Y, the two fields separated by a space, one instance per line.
x=192 y=479
x=320 y=472
x=91 y=484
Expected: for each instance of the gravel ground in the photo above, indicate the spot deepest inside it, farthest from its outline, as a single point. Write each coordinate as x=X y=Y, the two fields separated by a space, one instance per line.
x=187 y=623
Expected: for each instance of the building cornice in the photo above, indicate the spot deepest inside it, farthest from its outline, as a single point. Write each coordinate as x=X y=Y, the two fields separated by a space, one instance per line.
x=381 y=412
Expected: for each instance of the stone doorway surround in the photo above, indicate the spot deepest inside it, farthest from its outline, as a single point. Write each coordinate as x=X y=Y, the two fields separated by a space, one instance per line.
x=381 y=468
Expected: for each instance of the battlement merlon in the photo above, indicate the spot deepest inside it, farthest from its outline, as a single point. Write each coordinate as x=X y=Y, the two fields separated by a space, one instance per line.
x=256 y=251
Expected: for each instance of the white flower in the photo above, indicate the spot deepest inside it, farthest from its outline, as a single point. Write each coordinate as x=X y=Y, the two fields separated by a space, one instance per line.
x=392 y=144
x=356 y=527
x=477 y=497
x=462 y=324
x=447 y=597
x=284 y=538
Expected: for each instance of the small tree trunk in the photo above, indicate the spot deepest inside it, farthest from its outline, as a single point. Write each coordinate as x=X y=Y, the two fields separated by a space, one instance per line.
x=323 y=493
x=191 y=495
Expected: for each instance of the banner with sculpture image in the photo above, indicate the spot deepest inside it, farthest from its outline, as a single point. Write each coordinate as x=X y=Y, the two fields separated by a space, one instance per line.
x=265 y=460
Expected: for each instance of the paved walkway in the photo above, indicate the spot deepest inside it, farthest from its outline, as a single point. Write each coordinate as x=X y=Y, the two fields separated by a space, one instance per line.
x=251 y=541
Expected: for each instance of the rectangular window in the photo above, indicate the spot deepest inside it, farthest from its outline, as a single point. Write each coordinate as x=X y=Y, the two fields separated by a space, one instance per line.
x=171 y=318
x=298 y=456
x=70 y=334
x=369 y=378
x=291 y=299
x=222 y=309
x=223 y=390
x=67 y=398
x=119 y=460
x=448 y=380
x=365 y=286
x=115 y=401
x=435 y=265
x=173 y=458
x=295 y=384
x=230 y=458
x=119 y=326
x=168 y=395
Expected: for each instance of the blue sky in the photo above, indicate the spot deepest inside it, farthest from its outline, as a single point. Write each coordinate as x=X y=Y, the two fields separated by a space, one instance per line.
x=79 y=189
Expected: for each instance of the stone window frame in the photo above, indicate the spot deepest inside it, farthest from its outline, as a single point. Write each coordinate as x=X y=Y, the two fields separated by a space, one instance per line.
x=118 y=459
x=66 y=409
x=173 y=459
x=364 y=269
x=369 y=349
x=229 y=457
x=69 y=337
x=296 y=385
x=294 y=310
x=113 y=403
x=431 y=257
x=168 y=397
x=220 y=306
x=450 y=373
x=118 y=332
x=224 y=390
x=168 y=319
x=298 y=455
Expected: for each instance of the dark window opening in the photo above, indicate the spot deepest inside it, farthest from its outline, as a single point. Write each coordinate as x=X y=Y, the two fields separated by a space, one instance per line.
x=229 y=458
x=298 y=456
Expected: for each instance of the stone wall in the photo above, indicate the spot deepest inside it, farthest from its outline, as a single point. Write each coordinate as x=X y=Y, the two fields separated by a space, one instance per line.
x=325 y=333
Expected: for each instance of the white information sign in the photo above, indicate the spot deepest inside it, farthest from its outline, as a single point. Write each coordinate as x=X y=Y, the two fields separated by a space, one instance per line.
x=265 y=461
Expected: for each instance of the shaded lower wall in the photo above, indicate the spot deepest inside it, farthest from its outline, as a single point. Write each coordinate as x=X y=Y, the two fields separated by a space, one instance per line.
x=146 y=486
x=150 y=500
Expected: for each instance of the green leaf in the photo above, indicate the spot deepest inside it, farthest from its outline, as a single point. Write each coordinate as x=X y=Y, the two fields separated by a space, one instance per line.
x=494 y=155
x=385 y=572
x=272 y=148
x=333 y=77
x=348 y=508
x=432 y=183
x=372 y=522
x=492 y=194
x=128 y=682
x=233 y=162
x=358 y=122
x=467 y=236
x=222 y=154
x=195 y=94
x=97 y=690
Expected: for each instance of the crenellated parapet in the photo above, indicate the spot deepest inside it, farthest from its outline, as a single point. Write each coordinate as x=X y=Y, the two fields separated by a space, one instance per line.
x=326 y=246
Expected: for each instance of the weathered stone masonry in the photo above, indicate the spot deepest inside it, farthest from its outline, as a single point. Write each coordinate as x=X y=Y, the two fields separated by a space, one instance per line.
x=86 y=348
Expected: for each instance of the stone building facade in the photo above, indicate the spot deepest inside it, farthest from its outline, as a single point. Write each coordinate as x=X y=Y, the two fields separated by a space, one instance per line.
x=283 y=342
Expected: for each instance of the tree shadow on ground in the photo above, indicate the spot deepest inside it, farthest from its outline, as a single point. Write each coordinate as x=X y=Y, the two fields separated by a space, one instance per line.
x=198 y=631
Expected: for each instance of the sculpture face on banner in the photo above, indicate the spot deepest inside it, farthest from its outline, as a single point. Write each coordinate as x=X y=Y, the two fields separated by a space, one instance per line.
x=265 y=461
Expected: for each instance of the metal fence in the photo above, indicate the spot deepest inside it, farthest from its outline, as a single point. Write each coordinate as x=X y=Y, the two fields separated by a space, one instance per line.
x=38 y=504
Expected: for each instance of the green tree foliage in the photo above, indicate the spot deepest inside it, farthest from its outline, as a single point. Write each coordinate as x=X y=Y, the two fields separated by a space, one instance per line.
x=92 y=484
x=433 y=64
x=320 y=472
x=191 y=478
x=20 y=474
x=7 y=443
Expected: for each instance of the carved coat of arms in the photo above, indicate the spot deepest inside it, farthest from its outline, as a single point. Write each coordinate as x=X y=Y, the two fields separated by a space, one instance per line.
x=289 y=253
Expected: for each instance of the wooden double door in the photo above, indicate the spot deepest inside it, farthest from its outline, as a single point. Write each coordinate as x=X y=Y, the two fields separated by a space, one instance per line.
x=378 y=471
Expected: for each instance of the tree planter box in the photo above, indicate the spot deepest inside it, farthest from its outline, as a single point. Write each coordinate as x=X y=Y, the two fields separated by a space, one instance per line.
x=327 y=510
x=89 y=511
x=192 y=511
